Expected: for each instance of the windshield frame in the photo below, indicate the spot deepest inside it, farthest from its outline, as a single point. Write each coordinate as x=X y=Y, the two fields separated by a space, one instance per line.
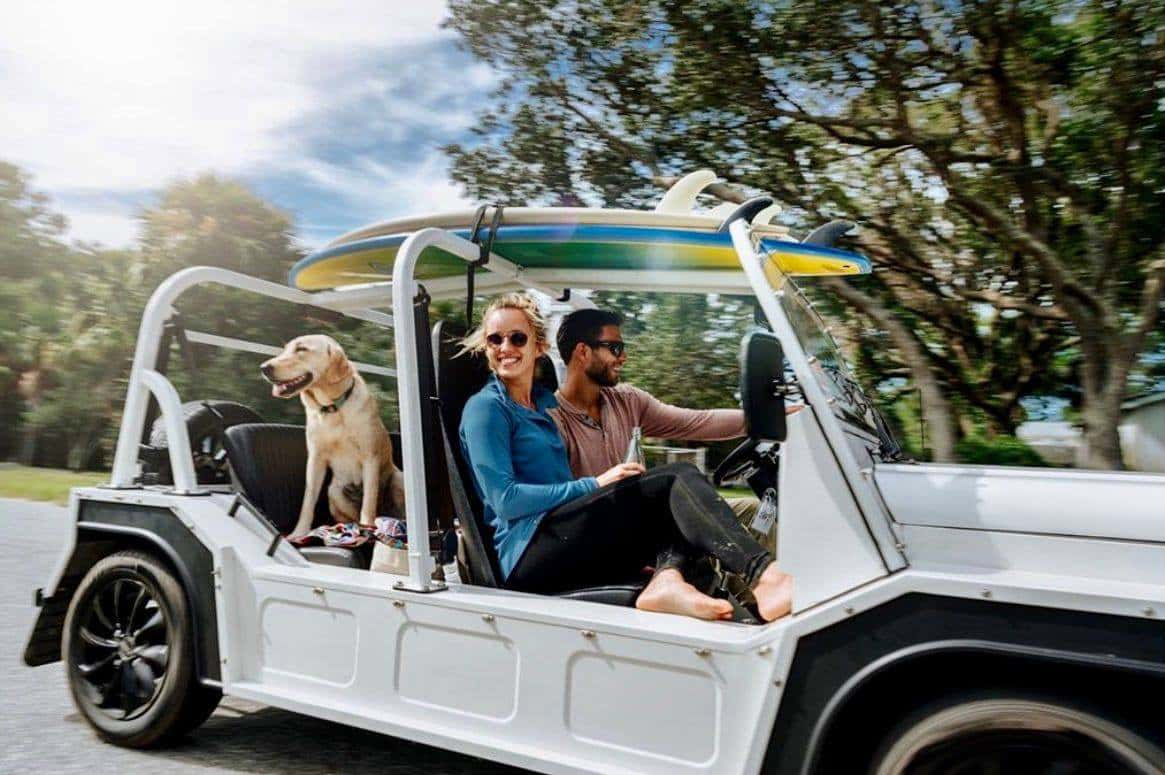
x=858 y=476
x=847 y=399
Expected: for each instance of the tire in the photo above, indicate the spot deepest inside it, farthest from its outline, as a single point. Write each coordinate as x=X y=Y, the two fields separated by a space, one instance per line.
x=205 y=422
x=981 y=733
x=128 y=647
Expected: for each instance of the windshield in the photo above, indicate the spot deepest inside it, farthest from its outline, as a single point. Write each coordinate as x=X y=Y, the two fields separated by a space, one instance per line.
x=846 y=398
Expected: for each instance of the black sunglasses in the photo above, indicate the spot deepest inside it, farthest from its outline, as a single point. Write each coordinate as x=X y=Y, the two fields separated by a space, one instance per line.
x=617 y=348
x=517 y=339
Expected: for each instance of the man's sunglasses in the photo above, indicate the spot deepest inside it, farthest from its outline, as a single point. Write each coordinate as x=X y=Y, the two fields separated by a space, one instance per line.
x=616 y=348
x=517 y=339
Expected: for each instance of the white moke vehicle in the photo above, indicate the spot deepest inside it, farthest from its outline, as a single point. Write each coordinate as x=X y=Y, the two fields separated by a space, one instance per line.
x=947 y=618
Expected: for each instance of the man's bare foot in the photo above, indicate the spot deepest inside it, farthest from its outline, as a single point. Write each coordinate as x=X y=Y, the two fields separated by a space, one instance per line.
x=774 y=593
x=668 y=593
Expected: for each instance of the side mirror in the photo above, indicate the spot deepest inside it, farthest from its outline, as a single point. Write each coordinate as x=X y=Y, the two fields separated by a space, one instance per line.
x=762 y=386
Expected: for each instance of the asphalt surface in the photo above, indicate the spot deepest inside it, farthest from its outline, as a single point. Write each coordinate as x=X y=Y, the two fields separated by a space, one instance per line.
x=41 y=731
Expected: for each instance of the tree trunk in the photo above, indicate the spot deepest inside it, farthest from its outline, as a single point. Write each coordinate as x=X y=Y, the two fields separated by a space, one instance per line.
x=29 y=435
x=936 y=410
x=1102 y=413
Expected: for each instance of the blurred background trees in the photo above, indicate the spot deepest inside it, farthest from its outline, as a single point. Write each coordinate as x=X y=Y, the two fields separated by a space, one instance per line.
x=69 y=315
x=1005 y=162
x=1004 y=159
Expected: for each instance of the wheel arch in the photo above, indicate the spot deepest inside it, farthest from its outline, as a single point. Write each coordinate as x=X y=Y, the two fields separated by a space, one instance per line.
x=105 y=528
x=943 y=667
x=900 y=654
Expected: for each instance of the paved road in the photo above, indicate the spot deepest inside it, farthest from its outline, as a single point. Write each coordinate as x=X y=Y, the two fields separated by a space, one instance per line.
x=41 y=731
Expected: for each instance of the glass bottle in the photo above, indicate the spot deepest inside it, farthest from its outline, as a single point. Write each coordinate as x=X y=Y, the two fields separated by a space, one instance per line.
x=635 y=448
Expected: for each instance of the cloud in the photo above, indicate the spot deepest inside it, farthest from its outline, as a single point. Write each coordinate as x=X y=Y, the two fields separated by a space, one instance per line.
x=340 y=105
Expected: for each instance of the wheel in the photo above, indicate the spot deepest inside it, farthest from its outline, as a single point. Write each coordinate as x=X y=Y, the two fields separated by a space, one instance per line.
x=205 y=423
x=1035 y=736
x=129 y=653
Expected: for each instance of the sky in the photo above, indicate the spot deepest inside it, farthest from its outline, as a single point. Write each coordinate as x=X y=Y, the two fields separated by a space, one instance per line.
x=334 y=113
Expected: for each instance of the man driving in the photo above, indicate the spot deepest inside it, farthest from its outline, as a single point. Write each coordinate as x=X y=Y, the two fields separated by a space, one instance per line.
x=596 y=415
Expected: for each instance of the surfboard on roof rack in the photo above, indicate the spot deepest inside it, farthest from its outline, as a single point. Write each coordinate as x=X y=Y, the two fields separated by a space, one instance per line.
x=579 y=239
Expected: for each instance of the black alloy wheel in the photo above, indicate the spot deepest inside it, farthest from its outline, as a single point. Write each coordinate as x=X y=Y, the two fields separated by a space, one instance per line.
x=122 y=651
x=130 y=654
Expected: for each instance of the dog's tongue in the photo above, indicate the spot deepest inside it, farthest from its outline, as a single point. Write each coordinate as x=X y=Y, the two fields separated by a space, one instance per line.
x=277 y=390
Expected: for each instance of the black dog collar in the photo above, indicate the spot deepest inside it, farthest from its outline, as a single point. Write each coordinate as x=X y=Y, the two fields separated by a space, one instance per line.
x=336 y=405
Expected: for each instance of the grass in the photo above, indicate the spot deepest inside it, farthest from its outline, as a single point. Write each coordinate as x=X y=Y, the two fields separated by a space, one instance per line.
x=44 y=484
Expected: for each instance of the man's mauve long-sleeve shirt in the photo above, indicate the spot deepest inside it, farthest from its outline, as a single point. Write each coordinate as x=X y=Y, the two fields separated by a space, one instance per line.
x=519 y=465
x=593 y=448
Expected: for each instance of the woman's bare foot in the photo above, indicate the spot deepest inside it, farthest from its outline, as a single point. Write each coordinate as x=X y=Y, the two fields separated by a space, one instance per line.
x=774 y=593
x=668 y=593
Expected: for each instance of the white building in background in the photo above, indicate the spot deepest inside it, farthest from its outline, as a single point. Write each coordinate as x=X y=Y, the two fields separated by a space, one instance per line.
x=1142 y=434
x=1056 y=441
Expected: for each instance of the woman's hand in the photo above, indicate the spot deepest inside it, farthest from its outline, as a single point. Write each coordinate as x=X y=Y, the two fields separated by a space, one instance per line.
x=619 y=472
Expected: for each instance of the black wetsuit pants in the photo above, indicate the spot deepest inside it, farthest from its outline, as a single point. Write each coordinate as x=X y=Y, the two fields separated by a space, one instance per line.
x=670 y=517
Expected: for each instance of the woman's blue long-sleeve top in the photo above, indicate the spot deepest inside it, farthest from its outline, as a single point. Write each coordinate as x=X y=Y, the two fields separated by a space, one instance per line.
x=519 y=465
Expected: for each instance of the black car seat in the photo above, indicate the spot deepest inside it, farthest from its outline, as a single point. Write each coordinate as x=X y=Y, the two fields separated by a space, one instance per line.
x=458 y=378
x=268 y=464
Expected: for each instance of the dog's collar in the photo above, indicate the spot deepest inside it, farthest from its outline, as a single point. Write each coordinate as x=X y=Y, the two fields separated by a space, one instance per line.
x=336 y=405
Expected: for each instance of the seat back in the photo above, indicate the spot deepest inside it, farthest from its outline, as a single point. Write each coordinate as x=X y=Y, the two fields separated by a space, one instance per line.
x=269 y=465
x=458 y=378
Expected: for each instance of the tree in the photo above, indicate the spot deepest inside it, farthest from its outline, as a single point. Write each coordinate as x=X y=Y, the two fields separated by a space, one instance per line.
x=33 y=278
x=1005 y=158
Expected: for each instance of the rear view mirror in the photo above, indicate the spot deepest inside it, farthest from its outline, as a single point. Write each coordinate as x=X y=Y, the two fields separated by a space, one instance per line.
x=762 y=386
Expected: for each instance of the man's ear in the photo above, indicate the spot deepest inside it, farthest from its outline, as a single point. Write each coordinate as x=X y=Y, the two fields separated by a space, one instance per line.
x=338 y=367
x=575 y=352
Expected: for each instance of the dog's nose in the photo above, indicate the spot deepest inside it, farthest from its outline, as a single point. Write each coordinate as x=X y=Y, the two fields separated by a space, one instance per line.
x=267 y=370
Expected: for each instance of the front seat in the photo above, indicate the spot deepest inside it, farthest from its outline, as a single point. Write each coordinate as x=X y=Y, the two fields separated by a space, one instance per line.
x=459 y=376
x=268 y=464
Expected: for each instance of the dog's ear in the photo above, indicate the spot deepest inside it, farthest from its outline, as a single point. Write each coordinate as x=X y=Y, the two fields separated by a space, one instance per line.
x=339 y=370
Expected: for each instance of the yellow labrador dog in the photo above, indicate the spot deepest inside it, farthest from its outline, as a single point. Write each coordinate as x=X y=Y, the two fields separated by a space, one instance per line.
x=344 y=432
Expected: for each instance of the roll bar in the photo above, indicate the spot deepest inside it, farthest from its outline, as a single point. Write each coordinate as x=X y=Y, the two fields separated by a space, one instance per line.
x=145 y=379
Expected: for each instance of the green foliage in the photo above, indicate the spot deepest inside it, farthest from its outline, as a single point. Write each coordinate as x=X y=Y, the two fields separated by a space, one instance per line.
x=69 y=316
x=1000 y=451
x=684 y=349
x=1006 y=161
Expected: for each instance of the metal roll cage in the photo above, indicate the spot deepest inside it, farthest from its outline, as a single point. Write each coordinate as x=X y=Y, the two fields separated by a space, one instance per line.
x=145 y=379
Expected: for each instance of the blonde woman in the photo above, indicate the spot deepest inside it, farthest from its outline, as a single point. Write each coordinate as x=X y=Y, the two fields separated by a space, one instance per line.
x=554 y=533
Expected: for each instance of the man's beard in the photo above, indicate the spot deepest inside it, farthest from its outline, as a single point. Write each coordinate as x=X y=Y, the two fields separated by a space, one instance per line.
x=602 y=375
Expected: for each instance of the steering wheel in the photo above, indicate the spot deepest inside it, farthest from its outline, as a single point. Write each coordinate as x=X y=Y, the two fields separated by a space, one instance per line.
x=745 y=455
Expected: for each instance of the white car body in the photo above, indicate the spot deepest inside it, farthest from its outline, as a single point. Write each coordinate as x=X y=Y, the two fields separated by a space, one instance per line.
x=572 y=686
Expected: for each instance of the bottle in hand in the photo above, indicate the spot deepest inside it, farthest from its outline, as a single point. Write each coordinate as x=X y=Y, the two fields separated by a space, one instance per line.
x=635 y=448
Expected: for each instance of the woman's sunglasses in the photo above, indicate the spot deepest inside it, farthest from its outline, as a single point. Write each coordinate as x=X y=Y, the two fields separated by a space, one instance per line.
x=616 y=348
x=517 y=339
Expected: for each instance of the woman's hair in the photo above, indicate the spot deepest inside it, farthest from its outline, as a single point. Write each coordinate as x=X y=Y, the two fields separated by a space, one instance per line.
x=524 y=303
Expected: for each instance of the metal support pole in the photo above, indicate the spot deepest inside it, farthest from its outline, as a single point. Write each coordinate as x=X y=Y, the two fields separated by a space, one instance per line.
x=872 y=511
